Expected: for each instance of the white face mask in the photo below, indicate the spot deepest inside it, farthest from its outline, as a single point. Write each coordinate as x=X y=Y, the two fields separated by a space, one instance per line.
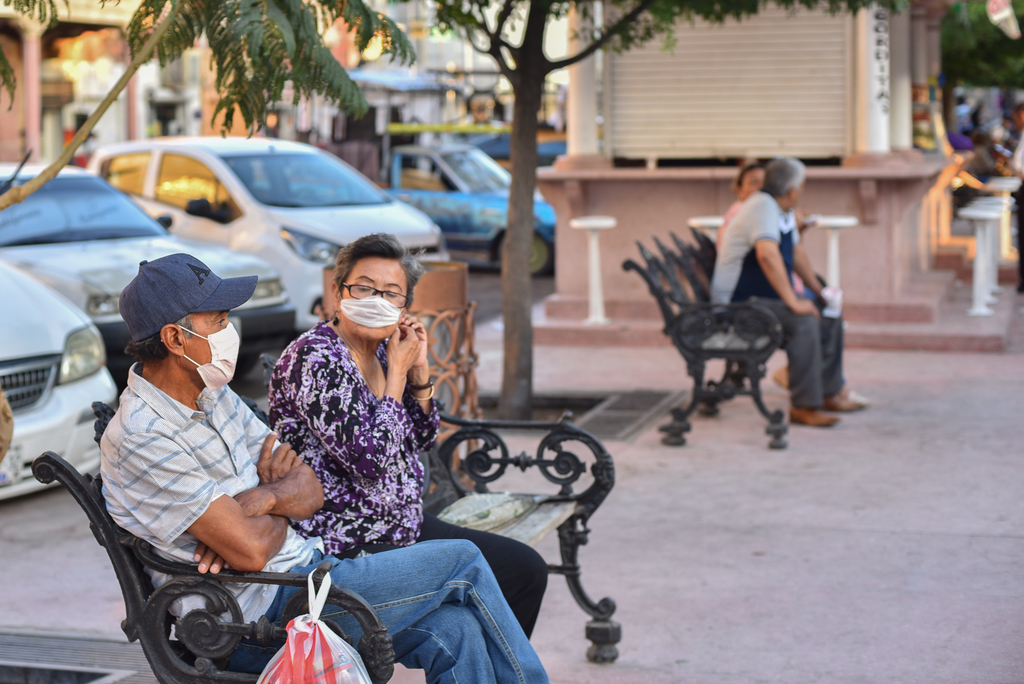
x=371 y=312
x=224 y=354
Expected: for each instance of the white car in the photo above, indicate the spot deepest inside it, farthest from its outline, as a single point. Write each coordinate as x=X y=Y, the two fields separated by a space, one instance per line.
x=85 y=240
x=51 y=370
x=290 y=204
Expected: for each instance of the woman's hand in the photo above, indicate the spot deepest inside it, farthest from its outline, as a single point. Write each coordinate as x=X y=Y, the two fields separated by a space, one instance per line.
x=413 y=324
x=403 y=351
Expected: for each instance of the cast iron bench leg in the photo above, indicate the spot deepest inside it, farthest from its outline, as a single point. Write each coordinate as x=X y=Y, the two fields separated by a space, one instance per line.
x=675 y=431
x=777 y=427
x=602 y=631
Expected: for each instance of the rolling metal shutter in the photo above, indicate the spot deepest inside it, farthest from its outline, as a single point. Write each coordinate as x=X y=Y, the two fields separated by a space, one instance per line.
x=776 y=83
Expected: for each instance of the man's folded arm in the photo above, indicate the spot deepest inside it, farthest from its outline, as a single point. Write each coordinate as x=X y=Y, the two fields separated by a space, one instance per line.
x=296 y=496
x=245 y=543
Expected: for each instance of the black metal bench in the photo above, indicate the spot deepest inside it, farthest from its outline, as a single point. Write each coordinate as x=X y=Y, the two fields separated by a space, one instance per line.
x=744 y=335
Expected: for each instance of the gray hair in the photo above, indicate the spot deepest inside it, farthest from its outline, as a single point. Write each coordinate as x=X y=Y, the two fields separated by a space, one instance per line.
x=782 y=175
x=384 y=245
x=152 y=348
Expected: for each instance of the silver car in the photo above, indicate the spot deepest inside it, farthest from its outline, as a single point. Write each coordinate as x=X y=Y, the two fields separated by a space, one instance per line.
x=51 y=370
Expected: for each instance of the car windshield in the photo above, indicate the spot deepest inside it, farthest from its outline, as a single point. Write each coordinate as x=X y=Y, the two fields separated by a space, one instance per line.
x=73 y=209
x=479 y=172
x=303 y=180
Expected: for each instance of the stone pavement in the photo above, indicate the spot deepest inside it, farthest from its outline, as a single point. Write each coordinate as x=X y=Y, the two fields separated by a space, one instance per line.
x=887 y=549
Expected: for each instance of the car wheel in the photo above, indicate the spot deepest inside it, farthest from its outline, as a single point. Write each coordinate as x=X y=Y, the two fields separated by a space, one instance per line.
x=542 y=255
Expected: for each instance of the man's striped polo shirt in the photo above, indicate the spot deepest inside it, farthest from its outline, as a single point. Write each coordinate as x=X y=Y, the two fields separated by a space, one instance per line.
x=163 y=465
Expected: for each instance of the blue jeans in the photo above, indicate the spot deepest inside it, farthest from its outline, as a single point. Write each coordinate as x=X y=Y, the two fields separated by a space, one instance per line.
x=442 y=607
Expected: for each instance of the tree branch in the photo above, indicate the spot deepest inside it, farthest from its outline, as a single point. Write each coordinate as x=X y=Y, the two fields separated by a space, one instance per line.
x=503 y=15
x=602 y=40
x=493 y=48
x=20 y=192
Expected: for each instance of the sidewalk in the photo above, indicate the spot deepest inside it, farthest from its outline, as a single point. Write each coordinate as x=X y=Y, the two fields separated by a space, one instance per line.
x=887 y=549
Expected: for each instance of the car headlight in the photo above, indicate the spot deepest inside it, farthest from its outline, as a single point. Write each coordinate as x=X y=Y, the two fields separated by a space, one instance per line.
x=309 y=247
x=268 y=289
x=83 y=355
x=102 y=305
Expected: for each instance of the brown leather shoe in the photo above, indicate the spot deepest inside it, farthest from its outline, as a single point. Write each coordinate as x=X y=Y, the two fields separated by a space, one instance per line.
x=845 y=402
x=812 y=417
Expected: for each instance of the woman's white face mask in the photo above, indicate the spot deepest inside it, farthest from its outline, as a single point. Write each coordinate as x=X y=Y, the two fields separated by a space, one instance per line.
x=224 y=346
x=371 y=312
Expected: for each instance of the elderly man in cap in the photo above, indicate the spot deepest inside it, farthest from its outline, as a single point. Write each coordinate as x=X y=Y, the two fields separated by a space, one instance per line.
x=189 y=468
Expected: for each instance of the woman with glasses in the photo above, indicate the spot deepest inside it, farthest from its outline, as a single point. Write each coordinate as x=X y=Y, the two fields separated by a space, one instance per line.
x=353 y=398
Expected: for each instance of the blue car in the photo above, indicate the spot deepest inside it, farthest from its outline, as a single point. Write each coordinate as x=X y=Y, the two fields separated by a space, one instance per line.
x=498 y=146
x=465 y=193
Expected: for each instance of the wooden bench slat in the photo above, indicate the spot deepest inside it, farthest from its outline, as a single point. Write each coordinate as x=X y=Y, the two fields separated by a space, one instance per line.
x=532 y=527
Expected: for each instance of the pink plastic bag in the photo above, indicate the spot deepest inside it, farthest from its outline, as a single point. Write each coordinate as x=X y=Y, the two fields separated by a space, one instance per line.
x=313 y=653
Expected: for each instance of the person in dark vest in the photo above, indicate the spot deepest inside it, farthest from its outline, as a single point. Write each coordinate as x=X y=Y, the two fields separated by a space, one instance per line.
x=759 y=255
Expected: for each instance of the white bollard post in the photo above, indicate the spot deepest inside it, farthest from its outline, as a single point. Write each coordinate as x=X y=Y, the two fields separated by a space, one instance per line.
x=833 y=257
x=1004 y=189
x=992 y=240
x=834 y=224
x=593 y=225
x=994 y=229
x=981 y=218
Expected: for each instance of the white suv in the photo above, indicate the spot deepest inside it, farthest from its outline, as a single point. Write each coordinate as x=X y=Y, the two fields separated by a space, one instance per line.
x=51 y=370
x=290 y=204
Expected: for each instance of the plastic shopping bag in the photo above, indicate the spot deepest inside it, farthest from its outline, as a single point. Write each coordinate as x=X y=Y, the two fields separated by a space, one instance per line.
x=313 y=653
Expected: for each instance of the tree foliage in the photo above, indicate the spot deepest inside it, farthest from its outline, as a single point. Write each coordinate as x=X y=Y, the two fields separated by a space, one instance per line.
x=975 y=52
x=258 y=47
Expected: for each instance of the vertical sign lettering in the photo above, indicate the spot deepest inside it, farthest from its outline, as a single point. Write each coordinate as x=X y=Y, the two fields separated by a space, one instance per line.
x=879 y=75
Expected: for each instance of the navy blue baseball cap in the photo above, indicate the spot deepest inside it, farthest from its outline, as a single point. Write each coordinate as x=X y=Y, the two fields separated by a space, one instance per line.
x=171 y=287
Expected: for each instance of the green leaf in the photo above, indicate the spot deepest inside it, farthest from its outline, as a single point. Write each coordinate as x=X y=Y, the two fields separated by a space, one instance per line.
x=281 y=21
x=975 y=52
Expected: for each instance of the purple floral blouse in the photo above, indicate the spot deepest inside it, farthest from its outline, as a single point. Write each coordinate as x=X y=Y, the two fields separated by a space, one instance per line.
x=364 y=449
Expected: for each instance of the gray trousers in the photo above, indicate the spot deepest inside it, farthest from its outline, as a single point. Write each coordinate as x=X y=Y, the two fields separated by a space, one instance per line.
x=815 y=351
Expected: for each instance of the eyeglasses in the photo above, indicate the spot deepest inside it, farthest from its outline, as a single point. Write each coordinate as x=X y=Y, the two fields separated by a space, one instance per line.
x=362 y=291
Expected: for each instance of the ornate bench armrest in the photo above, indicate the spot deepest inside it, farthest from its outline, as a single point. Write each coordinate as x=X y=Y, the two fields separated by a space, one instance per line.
x=488 y=457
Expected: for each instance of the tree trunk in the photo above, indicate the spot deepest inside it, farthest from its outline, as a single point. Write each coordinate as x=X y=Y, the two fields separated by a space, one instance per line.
x=517 y=378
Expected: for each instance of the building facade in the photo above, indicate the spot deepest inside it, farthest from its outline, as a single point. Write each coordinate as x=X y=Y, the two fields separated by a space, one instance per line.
x=849 y=94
